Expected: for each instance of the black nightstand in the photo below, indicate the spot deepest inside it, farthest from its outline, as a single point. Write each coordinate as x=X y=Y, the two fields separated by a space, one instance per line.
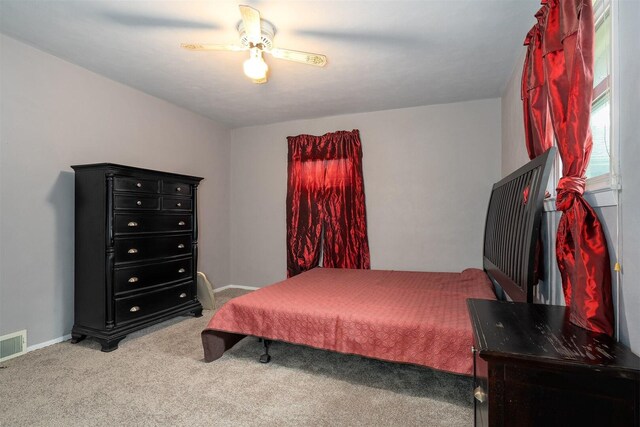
x=534 y=368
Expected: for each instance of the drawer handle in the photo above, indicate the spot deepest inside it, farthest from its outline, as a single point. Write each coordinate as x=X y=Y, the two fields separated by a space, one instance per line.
x=178 y=189
x=182 y=270
x=132 y=224
x=178 y=204
x=134 y=309
x=479 y=394
x=181 y=223
x=133 y=279
x=183 y=295
x=138 y=184
x=181 y=246
x=132 y=251
x=139 y=203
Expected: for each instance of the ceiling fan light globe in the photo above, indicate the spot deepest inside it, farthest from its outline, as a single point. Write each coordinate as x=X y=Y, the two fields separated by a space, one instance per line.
x=255 y=68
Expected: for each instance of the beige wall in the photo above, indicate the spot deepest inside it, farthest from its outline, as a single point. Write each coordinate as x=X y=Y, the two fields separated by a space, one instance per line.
x=628 y=87
x=514 y=152
x=55 y=114
x=428 y=173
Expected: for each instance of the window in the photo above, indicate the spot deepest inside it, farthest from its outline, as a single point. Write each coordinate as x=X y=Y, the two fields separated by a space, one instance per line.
x=600 y=164
x=601 y=171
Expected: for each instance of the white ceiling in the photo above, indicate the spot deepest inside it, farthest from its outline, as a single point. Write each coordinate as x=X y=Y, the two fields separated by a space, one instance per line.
x=381 y=54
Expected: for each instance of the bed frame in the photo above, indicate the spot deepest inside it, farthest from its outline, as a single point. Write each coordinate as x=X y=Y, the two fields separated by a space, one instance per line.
x=512 y=228
x=512 y=231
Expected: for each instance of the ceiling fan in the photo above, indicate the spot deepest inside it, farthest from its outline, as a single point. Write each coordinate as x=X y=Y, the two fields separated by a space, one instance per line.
x=256 y=36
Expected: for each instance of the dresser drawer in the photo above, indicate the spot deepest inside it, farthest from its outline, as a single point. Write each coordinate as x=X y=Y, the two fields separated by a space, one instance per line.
x=131 y=279
x=140 y=203
x=143 y=248
x=141 y=223
x=177 y=188
x=121 y=183
x=176 y=204
x=135 y=307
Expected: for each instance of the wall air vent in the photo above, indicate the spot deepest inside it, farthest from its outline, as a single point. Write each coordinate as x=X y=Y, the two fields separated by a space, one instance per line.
x=13 y=345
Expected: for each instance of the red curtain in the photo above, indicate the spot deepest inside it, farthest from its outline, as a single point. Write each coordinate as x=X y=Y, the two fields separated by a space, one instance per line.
x=538 y=130
x=566 y=34
x=325 y=199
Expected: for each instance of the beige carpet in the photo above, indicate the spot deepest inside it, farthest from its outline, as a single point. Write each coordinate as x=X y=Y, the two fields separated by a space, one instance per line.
x=157 y=378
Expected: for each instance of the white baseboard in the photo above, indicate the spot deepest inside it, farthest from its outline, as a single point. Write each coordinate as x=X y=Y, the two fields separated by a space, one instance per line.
x=48 y=343
x=248 y=288
x=68 y=337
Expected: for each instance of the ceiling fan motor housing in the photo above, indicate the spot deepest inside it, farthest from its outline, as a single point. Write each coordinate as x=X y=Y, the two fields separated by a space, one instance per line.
x=267 y=32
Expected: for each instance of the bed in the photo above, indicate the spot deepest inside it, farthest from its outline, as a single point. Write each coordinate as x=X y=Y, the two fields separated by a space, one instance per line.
x=419 y=318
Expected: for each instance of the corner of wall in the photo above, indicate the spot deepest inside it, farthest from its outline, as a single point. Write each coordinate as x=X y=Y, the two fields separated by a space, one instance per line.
x=514 y=153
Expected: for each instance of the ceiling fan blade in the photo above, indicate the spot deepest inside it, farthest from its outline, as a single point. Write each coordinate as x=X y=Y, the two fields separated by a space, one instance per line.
x=251 y=21
x=297 y=56
x=199 y=47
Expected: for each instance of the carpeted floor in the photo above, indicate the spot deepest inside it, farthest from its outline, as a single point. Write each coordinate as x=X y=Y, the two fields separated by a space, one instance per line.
x=157 y=378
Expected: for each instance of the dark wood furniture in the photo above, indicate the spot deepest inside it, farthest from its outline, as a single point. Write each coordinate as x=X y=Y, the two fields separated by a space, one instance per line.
x=136 y=249
x=512 y=227
x=534 y=368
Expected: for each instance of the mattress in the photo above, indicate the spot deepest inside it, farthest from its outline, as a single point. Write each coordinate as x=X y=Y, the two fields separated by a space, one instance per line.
x=400 y=316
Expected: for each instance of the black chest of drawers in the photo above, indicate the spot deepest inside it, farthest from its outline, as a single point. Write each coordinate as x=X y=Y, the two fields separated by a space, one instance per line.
x=136 y=250
x=532 y=367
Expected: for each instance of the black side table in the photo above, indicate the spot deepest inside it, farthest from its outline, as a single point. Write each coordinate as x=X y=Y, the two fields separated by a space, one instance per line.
x=534 y=368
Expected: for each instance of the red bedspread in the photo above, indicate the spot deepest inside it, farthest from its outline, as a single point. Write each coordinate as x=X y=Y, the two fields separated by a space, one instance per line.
x=400 y=316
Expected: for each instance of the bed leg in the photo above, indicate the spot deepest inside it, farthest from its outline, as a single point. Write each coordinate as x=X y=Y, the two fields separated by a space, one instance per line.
x=265 y=358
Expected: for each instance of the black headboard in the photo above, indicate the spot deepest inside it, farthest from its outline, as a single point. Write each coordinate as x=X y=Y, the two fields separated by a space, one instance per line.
x=512 y=227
